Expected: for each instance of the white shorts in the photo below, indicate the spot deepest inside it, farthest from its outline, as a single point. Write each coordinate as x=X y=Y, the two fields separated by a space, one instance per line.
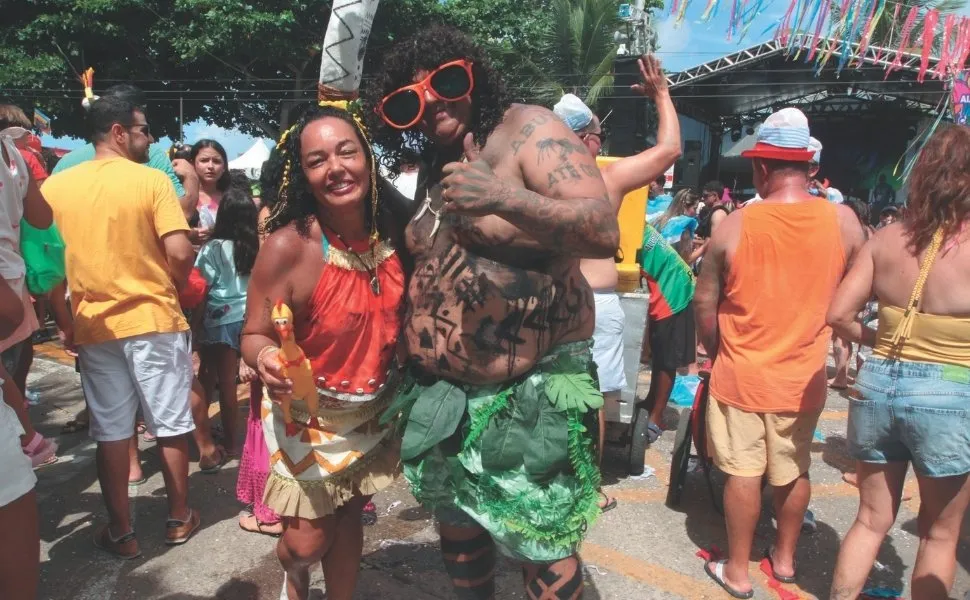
x=608 y=342
x=16 y=476
x=153 y=370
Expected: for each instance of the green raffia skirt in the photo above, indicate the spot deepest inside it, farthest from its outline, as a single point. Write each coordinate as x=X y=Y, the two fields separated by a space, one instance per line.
x=515 y=458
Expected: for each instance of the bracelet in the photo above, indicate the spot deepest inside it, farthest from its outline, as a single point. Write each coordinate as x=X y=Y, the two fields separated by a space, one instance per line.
x=262 y=353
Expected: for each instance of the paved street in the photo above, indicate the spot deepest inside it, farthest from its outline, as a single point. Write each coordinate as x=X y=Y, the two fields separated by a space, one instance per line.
x=641 y=550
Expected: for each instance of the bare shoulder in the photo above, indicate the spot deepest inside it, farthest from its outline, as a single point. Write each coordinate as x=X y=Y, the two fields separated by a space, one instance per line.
x=281 y=250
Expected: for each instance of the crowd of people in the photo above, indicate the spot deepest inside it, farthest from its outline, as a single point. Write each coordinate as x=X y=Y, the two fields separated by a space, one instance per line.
x=469 y=336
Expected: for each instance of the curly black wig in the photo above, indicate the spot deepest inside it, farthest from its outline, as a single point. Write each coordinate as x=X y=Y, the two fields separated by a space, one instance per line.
x=427 y=50
x=299 y=204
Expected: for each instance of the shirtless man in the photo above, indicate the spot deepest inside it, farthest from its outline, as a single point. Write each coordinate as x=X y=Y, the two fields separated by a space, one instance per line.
x=621 y=177
x=498 y=401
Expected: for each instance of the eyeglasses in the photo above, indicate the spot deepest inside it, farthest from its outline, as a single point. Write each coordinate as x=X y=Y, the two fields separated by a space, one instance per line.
x=450 y=82
x=598 y=134
x=145 y=130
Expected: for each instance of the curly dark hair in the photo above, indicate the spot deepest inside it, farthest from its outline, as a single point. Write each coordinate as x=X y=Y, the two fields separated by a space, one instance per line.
x=939 y=188
x=426 y=50
x=300 y=205
x=237 y=221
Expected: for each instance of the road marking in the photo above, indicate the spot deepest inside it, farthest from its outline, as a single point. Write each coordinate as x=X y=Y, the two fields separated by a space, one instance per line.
x=654 y=575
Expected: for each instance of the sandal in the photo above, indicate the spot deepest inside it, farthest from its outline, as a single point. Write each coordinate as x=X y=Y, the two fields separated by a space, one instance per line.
x=368 y=514
x=249 y=522
x=178 y=532
x=717 y=574
x=653 y=433
x=125 y=546
x=216 y=465
x=610 y=503
x=771 y=565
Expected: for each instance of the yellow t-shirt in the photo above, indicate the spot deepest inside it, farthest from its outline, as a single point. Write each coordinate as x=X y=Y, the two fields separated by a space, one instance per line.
x=112 y=214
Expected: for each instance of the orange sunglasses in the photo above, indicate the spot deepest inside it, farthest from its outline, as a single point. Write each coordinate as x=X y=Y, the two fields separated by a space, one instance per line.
x=450 y=82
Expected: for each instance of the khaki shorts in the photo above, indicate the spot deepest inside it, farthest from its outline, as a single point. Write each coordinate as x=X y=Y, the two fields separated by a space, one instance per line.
x=749 y=444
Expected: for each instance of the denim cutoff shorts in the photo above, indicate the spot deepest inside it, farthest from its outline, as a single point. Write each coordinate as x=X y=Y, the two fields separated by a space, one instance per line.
x=912 y=411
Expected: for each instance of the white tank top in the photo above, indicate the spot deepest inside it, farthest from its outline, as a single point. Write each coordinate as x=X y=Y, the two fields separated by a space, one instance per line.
x=14 y=178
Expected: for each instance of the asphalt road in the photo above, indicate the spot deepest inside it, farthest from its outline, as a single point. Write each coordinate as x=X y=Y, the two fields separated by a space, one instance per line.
x=642 y=549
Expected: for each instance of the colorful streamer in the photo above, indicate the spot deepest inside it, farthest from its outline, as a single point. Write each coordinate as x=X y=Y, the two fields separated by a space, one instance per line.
x=929 y=35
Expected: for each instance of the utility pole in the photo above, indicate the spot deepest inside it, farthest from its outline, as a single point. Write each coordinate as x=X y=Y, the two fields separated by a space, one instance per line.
x=181 y=122
x=638 y=36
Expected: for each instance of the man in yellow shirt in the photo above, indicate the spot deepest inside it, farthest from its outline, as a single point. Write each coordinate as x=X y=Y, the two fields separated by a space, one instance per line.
x=127 y=254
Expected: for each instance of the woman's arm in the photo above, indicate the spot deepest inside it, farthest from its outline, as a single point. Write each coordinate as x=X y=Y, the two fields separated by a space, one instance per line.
x=268 y=283
x=851 y=296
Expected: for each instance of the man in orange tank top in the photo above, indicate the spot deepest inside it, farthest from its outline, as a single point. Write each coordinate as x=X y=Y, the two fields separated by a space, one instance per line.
x=769 y=274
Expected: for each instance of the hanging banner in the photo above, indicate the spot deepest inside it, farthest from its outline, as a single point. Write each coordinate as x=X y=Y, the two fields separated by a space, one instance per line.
x=961 y=98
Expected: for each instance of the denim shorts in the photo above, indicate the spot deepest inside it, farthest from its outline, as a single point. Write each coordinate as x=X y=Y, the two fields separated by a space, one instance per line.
x=227 y=335
x=912 y=411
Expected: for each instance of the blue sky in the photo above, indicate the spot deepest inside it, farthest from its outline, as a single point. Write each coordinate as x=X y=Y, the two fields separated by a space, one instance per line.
x=693 y=42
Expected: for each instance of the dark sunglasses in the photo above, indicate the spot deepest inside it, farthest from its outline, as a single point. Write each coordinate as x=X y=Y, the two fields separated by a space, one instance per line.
x=450 y=82
x=143 y=128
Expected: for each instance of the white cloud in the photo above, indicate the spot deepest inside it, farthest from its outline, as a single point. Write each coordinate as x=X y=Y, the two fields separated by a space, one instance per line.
x=672 y=37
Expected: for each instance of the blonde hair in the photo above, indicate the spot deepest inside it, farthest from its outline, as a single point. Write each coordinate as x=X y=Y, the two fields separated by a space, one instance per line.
x=12 y=116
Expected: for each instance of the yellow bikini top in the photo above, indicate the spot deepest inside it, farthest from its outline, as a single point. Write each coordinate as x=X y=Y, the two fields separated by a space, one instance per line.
x=915 y=336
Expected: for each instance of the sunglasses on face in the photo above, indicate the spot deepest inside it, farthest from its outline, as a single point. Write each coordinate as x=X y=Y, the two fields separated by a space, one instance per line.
x=450 y=82
x=144 y=129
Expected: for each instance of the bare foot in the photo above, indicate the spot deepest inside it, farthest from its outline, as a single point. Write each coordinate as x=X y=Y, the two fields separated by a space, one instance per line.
x=839 y=384
x=249 y=522
x=851 y=478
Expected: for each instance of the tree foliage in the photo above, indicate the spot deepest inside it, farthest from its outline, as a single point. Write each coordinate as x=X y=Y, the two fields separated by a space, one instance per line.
x=235 y=63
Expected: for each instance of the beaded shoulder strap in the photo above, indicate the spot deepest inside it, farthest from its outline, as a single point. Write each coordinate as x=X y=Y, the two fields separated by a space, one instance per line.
x=325 y=244
x=905 y=326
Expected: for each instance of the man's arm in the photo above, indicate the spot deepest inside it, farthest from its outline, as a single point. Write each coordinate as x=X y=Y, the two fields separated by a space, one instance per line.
x=564 y=204
x=851 y=296
x=710 y=283
x=181 y=258
x=853 y=235
x=185 y=172
x=634 y=172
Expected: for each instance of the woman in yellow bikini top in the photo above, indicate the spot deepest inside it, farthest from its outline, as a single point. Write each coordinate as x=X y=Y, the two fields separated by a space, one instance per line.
x=911 y=402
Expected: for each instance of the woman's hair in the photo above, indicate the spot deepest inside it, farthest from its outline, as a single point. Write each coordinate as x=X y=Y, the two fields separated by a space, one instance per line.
x=224 y=181
x=427 y=50
x=237 y=221
x=239 y=180
x=683 y=199
x=13 y=116
x=295 y=201
x=939 y=187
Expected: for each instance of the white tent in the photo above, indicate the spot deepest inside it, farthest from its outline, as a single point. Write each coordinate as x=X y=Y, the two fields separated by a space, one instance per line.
x=251 y=161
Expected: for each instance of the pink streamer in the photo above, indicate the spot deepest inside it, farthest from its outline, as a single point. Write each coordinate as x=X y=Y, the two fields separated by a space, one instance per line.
x=818 y=29
x=904 y=40
x=945 y=50
x=964 y=46
x=783 y=27
x=929 y=34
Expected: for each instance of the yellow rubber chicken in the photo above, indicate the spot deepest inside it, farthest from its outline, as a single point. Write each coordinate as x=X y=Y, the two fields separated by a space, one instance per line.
x=296 y=366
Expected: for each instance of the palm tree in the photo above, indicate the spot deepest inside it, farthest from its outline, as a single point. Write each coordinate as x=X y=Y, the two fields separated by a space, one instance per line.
x=576 y=52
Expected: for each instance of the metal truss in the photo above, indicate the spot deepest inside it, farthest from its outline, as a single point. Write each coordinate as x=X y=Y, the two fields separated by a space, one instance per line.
x=873 y=56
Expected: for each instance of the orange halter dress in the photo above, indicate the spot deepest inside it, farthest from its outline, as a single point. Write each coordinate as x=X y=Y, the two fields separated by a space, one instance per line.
x=350 y=340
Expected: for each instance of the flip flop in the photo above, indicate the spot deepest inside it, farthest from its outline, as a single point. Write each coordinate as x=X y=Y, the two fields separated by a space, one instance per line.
x=771 y=564
x=138 y=482
x=717 y=574
x=653 y=433
x=610 y=503
x=257 y=526
x=74 y=426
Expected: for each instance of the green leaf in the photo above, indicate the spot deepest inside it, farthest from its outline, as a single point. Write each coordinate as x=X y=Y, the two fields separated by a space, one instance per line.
x=573 y=391
x=506 y=436
x=547 y=451
x=434 y=417
x=403 y=401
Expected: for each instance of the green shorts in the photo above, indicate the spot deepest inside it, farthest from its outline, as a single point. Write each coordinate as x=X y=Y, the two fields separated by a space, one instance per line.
x=515 y=458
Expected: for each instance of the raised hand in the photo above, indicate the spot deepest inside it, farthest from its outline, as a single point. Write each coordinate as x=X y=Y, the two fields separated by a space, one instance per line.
x=652 y=78
x=470 y=187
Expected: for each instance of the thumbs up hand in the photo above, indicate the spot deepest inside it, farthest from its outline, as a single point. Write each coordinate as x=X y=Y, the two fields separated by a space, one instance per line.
x=471 y=187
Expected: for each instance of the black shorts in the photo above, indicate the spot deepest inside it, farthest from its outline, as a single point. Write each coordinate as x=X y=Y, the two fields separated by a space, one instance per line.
x=673 y=341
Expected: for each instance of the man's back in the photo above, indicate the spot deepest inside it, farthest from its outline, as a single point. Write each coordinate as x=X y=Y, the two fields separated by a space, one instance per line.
x=112 y=214
x=781 y=269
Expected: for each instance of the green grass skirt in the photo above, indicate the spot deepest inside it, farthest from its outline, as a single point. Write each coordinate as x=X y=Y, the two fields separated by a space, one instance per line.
x=516 y=458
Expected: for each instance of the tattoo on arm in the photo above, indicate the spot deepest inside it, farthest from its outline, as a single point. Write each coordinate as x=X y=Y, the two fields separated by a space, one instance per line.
x=528 y=129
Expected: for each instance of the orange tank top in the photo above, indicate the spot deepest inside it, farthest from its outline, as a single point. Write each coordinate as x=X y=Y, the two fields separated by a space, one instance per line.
x=774 y=340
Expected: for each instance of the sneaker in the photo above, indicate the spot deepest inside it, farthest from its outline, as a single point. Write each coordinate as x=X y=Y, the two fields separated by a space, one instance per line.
x=178 y=532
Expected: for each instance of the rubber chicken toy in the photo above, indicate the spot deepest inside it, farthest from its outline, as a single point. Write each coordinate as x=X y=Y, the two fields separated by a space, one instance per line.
x=296 y=366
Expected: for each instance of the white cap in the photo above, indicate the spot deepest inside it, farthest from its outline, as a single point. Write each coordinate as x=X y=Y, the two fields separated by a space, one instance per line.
x=815 y=146
x=573 y=112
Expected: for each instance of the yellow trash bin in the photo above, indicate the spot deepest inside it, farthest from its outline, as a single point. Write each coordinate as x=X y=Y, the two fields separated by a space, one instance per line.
x=632 y=213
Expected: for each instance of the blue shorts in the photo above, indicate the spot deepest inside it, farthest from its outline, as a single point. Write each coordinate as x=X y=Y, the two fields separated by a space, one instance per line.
x=912 y=411
x=227 y=335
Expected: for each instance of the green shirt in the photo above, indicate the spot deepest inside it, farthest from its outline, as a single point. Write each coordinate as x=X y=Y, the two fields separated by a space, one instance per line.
x=670 y=280
x=157 y=159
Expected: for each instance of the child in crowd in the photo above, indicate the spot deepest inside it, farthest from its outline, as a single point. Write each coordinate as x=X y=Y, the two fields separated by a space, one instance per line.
x=225 y=262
